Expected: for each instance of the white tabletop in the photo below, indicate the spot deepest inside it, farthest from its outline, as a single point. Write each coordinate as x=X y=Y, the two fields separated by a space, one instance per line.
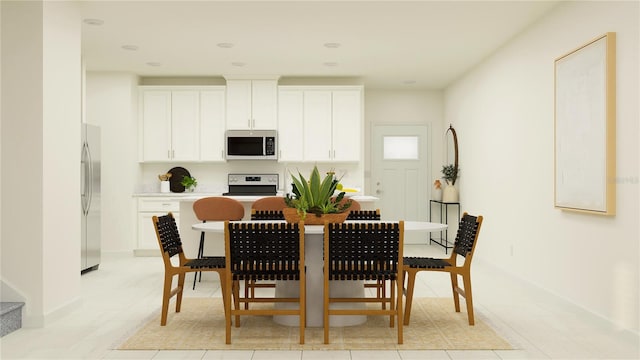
x=218 y=226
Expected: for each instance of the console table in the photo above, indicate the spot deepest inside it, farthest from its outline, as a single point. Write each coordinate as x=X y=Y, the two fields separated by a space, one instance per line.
x=443 y=240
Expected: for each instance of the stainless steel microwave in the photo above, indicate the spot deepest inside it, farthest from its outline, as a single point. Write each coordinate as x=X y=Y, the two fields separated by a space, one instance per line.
x=251 y=144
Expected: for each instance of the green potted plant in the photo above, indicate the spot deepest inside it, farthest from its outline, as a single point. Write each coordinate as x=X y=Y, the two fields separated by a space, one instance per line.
x=315 y=196
x=450 y=175
x=189 y=183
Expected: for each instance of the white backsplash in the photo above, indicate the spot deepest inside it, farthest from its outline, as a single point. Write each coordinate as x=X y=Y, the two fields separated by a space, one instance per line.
x=212 y=177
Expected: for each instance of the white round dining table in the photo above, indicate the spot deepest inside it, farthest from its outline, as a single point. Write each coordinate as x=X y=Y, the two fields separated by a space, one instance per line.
x=314 y=280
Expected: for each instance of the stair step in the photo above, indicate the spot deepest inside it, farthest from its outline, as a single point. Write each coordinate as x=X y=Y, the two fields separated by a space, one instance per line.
x=10 y=317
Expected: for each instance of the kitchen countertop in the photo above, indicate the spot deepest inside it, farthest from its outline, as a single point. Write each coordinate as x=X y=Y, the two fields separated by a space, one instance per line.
x=189 y=196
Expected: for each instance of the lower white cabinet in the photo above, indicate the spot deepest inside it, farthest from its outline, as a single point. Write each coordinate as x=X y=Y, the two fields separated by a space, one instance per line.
x=149 y=207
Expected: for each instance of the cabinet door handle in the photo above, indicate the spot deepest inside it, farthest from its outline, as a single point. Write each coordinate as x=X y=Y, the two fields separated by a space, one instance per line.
x=249 y=123
x=168 y=154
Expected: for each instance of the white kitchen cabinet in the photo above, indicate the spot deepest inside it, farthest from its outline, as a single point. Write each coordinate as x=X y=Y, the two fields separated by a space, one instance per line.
x=147 y=244
x=182 y=124
x=331 y=120
x=252 y=104
x=156 y=125
x=347 y=125
x=290 y=125
x=317 y=125
x=212 y=125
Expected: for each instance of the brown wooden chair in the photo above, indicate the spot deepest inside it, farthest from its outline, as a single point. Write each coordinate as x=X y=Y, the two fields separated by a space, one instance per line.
x=264 y=251
x=380 y=286
x=216 y=208
x=360 y=252
x=170 y=246
x=269 y=203
x=464 y=246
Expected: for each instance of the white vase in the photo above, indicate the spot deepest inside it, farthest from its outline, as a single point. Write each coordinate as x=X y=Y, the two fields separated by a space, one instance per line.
x=164 y=186
x=450 y=194
x=437 y=194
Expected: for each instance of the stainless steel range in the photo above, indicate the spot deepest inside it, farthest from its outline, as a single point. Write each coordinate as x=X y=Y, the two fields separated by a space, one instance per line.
x=252 y=184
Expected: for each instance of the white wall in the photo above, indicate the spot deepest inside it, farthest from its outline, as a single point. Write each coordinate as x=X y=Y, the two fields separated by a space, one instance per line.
x=503 y=111
x=111 y=103
x=408 y=107
x=41 y=157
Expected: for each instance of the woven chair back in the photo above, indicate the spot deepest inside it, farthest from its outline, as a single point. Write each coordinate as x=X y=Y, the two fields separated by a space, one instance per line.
x=265 y=251
x=466 y=236
x=362 y=251
x=364 y=215
x=266 y=214
x=168 y=235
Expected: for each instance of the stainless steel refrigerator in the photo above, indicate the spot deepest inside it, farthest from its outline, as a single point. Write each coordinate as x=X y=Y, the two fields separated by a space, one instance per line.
x=90 y=198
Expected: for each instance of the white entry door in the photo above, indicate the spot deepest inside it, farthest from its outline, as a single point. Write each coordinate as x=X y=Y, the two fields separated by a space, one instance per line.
x=400 y=171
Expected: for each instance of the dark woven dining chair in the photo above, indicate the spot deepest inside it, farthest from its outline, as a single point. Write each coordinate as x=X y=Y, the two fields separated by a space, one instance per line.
x=364 y=215
x=380 y=286
x=266 y=208
x=264 y=251
x=171 y=246
x=464 y=247
x=364 y=252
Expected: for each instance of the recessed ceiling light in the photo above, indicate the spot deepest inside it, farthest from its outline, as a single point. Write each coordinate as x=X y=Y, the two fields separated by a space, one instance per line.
x=225 y=45
x=152 y=63
x=130 y=47
x=238 y=64
x=330 y=64
x=93 y=22
x=332 y=45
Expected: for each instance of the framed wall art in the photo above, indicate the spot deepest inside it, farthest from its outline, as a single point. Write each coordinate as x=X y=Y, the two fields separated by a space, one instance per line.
x=585 y=127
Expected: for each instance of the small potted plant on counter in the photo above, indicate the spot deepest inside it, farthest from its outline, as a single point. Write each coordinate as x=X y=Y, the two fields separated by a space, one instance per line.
x=189 y=183
x=315 y=196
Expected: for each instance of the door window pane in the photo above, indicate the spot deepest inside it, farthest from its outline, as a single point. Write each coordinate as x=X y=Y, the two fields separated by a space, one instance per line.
x=400 y=147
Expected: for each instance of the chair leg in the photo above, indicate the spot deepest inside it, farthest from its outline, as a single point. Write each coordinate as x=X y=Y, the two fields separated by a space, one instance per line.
x=200 y=255
x=466 y=279
x=223 y=290
x=181 y=277
x=392 y=304
x=399 y=309
x=411 y=280
x=236 y=300
x=227 y=308
x=454 y=288
x=166 y=296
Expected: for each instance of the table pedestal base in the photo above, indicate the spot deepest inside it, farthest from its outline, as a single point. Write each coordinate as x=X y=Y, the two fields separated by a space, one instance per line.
x=315 y=288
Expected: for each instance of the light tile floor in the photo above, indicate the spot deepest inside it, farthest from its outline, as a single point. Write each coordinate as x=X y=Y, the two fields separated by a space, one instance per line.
x=126 y=290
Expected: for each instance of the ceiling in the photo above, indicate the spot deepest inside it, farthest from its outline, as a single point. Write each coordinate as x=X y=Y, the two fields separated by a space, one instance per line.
x=381 y=44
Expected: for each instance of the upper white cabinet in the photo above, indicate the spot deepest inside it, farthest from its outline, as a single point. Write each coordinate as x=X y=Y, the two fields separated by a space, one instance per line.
x=290 y=125
x=252 y=104
x=182 y=124
x=346 y=127
x=320 y=123
x=212 y=124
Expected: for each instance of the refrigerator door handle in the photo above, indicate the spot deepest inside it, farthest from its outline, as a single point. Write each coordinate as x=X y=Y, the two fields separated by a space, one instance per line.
x=86 y=179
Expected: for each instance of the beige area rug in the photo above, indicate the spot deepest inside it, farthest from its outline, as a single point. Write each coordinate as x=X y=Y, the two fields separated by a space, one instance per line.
x=200 y=326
